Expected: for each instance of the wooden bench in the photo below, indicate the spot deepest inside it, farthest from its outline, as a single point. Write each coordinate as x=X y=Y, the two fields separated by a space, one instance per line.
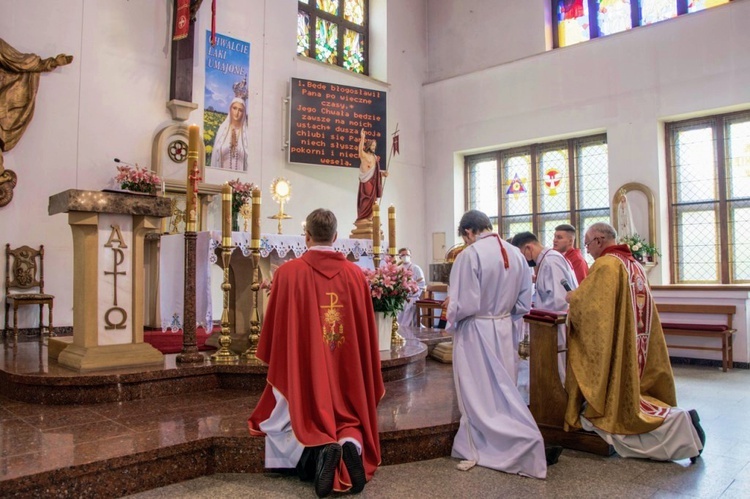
x=724 y=331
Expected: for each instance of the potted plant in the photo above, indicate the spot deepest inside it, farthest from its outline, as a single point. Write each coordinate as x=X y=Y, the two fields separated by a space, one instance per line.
x=137 y=179
x=242 y=192
x=642 y=250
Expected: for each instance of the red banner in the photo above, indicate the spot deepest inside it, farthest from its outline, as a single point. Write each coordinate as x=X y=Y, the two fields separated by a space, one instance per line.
x=181 y=20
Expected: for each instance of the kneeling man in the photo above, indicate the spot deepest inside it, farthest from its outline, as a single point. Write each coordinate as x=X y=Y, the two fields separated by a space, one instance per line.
x=619 y=381
x=318 y=411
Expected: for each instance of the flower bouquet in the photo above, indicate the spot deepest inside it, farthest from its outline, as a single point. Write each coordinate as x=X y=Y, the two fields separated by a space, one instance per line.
x=390 y=286
x=640 y=247
x=137 y=179
x=242 y=192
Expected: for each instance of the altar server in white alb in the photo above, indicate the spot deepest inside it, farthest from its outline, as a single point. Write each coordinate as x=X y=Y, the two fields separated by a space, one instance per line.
x=553 y=274
x=489 y=285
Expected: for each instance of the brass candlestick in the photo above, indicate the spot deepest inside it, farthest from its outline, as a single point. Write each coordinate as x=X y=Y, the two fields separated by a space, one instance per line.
x=396 y=339
x=254 y=336
x=224 y=355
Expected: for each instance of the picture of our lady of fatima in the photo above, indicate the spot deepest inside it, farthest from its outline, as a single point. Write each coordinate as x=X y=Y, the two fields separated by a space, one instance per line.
x=225 y=104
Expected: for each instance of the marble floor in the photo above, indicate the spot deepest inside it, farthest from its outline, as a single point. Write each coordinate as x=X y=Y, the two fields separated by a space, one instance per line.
x=722 y=399
x=201 y=439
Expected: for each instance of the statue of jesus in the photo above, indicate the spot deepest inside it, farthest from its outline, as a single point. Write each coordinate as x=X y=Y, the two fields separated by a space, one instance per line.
x=370 y=178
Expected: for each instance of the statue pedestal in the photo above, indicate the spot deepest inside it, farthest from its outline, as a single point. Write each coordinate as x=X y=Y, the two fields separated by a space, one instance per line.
x=109 y=230
x=363 y=230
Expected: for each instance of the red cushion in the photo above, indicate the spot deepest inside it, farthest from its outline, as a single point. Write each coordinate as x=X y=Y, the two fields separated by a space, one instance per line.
x=169 y=342
x=694 y=327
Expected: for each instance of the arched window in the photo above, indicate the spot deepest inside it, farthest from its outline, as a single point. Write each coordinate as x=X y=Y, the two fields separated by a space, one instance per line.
x=334 y=32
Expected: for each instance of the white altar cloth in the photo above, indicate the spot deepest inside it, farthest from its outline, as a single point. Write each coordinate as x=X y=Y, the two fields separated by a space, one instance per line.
x=274 y=247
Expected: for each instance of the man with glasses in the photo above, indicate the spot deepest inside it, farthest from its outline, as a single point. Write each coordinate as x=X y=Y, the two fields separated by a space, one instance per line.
x=564 y=242
x=619 y=381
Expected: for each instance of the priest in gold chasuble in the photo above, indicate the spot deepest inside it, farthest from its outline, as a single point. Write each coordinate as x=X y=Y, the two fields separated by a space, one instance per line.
x=619 y=379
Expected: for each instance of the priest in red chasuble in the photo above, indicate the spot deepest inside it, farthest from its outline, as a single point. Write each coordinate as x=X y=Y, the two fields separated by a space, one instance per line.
x=619 y=380
x=318 y=411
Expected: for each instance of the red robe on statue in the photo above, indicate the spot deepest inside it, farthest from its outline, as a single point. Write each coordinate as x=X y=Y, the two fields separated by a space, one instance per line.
x=321 y=346
x=369 y=192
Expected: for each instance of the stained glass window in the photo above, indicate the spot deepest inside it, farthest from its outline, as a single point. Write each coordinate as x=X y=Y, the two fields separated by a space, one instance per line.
x=580 y=20
x=326 y=40
x=653 y=11
x=337 y=29
x=534 y=186
x=696 y=5
x=354 y=11
x=354 y=55
x=330 y=6
x=572 y=21
x=709 y=185
x=303 y=33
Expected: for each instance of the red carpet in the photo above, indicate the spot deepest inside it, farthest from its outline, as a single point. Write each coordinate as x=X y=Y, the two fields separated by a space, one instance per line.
x=169 y=342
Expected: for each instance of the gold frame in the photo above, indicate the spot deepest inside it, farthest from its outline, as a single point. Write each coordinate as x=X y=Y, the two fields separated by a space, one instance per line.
x=644 y=189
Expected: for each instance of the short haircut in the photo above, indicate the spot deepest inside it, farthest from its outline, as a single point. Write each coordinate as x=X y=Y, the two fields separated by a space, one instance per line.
x=566 y=228
x=523 y=238
x=474 y=220
x=605 y=230
x=321 y=224
x=404 y=249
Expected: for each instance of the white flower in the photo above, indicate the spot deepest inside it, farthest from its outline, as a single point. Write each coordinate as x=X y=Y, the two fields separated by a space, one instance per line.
x=636 y=246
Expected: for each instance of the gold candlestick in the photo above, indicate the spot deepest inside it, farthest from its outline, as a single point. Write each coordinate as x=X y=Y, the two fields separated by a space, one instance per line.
x=376 y=235
x=255 y=325
x=392 y=231
x=224 y=355
x=193 y=175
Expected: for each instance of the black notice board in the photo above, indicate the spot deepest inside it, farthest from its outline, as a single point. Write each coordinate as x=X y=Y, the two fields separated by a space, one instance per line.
x=327 y=119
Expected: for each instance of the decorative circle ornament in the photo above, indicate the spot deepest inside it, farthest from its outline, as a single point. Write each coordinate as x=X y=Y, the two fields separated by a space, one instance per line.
x=177 y=151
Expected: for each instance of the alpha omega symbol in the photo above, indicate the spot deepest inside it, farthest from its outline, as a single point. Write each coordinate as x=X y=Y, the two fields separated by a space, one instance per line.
x=117 y=243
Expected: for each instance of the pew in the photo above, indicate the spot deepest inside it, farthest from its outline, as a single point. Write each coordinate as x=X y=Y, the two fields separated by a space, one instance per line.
x=696 y=326
x=547 y=396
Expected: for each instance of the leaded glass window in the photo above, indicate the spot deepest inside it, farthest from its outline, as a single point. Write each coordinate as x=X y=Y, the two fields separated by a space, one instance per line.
x=542 y=186
x=580 y=20
x=334 y=32
x=710 y=199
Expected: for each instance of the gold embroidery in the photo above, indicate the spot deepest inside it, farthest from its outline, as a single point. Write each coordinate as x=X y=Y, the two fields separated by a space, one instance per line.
x=333 y=329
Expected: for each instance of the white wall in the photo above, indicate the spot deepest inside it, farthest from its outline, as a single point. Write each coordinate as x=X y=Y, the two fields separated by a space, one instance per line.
x=472 y=35
x=626 y=85
x=110 y=102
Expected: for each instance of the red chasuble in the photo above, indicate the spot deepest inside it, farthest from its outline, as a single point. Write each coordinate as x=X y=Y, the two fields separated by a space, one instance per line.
x=321 y=346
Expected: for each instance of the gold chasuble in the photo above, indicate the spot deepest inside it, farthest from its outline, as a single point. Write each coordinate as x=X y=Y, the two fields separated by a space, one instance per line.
x=617 y=356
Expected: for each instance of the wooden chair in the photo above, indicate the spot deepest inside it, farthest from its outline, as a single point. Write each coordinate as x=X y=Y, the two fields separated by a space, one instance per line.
x=428 y=308
x=24 y=271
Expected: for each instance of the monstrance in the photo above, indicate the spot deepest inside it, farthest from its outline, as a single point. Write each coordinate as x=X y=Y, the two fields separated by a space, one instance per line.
x=281 y=190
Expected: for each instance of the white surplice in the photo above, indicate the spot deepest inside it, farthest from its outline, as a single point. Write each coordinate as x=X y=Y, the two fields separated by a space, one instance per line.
x=408 y=316
x=551 y=268
x=675 y=439
x=496 y=429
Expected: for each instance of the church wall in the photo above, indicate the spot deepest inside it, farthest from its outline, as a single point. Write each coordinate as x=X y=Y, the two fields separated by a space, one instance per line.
x=472 y=36
x=110 y=102
x=626 y=85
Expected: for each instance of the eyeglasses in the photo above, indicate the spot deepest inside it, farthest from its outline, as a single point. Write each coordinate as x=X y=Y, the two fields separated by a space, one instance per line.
x=587 y=243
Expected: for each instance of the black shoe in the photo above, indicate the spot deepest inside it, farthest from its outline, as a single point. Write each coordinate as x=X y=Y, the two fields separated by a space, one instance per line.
x=328 y=461
x=696 y=420
x=353 y=463
x=552 y=453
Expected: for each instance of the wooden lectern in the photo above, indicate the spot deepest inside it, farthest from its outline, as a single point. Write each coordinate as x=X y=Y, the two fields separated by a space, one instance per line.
x=109 y=229
x=547 y=396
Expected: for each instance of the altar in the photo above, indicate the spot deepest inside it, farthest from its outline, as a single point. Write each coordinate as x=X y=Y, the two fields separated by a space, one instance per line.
x=166 y=300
